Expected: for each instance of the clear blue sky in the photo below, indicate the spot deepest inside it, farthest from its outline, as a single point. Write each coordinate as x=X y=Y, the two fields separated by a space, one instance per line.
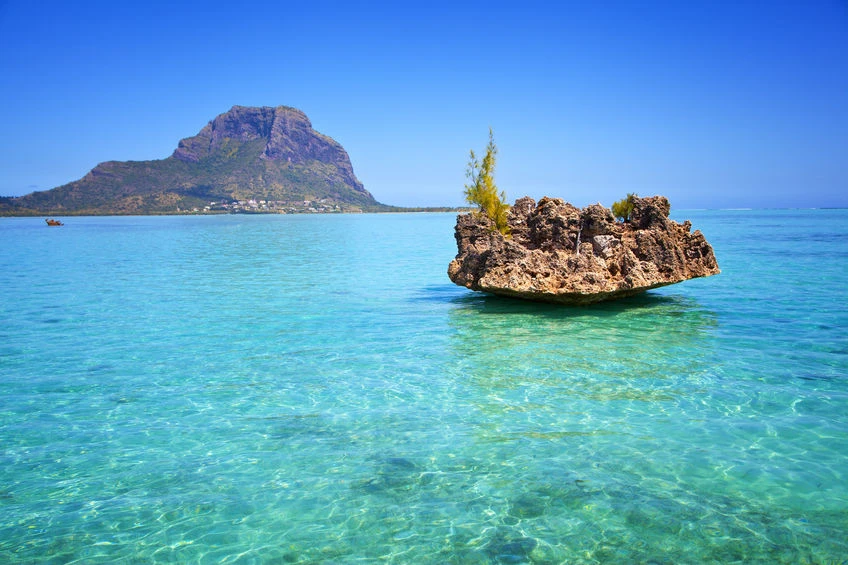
x=715 y=104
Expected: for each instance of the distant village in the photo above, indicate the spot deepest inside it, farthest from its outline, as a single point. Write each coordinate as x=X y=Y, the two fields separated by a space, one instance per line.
x=323 y=206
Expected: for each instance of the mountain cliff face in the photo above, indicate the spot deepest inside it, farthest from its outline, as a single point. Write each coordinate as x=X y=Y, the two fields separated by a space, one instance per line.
x=266 y=153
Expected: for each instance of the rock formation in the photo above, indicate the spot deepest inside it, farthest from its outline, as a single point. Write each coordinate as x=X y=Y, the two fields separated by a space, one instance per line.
x=286 y=133
x=559 y=253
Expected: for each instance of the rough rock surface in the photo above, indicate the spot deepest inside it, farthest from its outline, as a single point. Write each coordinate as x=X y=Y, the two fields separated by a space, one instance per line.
x=286 y=131
x=559 y=253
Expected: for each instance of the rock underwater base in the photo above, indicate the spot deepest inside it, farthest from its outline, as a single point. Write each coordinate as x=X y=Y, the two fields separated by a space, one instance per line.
x=559 y=253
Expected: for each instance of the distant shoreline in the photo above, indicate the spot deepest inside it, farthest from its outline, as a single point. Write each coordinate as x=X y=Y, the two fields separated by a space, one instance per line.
x=382 y=210
x=386 y=209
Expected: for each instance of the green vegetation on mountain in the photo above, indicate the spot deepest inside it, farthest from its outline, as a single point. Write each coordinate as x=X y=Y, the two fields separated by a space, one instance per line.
x=241 y=158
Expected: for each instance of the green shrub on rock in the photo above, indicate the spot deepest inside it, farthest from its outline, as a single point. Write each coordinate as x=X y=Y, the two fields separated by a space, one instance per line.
x=624 y=207
x=482 y=191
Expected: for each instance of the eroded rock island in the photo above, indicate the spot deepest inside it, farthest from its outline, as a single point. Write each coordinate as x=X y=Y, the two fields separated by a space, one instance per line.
x=559 y=253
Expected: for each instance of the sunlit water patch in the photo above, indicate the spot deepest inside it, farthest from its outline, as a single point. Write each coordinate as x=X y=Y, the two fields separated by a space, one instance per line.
x=313 y=389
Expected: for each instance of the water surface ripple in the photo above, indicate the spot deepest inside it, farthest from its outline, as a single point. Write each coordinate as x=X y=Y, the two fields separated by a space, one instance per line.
x=313 y=389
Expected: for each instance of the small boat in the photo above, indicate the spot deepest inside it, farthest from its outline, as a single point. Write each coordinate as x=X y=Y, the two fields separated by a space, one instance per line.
x=54 y=223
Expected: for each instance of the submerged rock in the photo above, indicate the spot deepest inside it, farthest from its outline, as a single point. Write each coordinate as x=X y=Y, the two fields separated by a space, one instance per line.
x=559 y=253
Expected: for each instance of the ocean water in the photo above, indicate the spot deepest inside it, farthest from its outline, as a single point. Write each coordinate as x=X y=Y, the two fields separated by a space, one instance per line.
x=313 y=389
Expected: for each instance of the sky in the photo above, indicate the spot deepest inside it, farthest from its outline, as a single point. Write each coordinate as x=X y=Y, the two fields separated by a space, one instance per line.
x=714 y=104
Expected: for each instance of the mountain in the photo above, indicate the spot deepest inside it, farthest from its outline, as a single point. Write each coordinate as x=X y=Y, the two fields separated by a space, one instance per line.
x=246 y=155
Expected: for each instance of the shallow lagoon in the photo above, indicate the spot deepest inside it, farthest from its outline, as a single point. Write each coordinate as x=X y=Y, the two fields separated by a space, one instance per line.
x=313 y=389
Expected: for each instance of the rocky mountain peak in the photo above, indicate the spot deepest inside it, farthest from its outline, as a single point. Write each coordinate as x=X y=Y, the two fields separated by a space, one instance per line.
x=287 y=133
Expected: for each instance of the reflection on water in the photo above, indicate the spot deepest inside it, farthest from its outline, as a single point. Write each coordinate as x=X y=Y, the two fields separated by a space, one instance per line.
x=627 y=350
x=612 y=425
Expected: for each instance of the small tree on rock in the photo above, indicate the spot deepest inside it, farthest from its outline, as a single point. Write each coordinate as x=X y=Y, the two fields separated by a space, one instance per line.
x=482 y=191
x=624 y=207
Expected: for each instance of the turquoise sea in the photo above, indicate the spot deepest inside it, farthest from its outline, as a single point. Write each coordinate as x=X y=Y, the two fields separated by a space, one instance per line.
x=313 y=389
